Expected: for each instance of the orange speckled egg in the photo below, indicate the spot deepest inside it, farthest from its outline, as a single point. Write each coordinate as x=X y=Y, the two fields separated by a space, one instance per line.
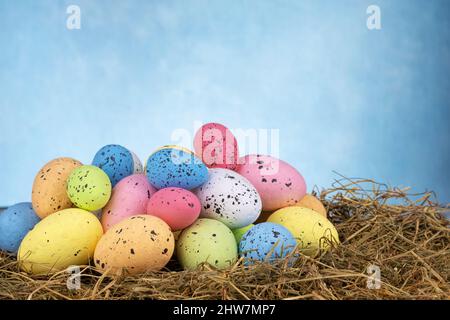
x=49 y=193
x=135 y=245
x=311 y=202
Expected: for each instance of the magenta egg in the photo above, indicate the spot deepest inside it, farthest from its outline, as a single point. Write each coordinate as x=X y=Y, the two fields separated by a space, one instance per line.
x=129 y=197
x=179 y=208
x=277 y=182
x=216 y=146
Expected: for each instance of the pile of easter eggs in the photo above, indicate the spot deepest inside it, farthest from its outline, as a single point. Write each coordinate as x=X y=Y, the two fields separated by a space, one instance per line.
x=208 y=206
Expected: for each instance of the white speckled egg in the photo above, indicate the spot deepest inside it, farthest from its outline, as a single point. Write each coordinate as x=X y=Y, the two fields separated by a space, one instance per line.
x=229 y=198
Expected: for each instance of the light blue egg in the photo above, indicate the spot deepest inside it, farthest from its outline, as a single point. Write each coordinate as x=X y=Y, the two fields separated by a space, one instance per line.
x=175 y=167
x=118 y=162
x=15 y=222
x=266 y=241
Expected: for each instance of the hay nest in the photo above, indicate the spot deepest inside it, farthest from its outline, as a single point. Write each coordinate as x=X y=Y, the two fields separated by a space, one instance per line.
x=406 y=236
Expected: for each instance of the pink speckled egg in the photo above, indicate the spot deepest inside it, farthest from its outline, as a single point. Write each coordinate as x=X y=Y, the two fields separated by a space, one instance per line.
x=216 y=146
x=278 y=183
x=179 y=208
x=129 y=197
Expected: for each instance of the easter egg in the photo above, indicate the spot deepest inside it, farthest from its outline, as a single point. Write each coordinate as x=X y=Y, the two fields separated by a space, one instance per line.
x=135 y=245
x=67 y=237
x=15 y=222
x=266 y=242
x=50 y=184
x=129 y=197
x=179 y=208
x=311 y=202
x=117 y=162
x=216 y=146
x=238 y=233
x=278 y=183
x=89 y=188
x=208 y=241
x=229 y=198
x=172 y=166
x=312 y=230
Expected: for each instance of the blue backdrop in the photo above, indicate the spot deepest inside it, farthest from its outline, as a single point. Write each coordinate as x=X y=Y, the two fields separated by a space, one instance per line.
x=366 y=103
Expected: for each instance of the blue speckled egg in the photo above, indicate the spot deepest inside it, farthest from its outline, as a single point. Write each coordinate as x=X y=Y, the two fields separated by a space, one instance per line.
x=118 y=162
x=15 y=222
x=173 y=166
x=266 y=242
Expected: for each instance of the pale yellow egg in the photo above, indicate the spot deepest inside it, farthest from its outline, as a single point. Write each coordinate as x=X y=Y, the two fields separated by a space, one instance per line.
x=312 y=231
x=64 y=238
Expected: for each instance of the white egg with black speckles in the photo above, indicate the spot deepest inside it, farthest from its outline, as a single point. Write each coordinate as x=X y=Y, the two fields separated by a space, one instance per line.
x=229 y=198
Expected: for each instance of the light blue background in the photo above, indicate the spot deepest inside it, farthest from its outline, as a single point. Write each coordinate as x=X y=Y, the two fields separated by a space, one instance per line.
x=365 y=103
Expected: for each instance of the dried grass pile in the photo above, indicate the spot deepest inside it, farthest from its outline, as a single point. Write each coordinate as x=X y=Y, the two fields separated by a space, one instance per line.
x=409 y=241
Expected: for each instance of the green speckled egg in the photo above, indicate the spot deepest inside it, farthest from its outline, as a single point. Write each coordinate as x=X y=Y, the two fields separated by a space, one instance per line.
x=208 y=241
x=89 y=188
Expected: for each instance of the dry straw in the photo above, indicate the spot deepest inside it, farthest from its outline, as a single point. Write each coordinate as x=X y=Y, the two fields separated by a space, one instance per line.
x=406 y=236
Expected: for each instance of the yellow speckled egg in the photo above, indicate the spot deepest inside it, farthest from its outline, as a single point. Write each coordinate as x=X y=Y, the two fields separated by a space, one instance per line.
x=64 y=238
x=49 y=188
x=312 y=230
x=311 y=202
x=135 y=245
